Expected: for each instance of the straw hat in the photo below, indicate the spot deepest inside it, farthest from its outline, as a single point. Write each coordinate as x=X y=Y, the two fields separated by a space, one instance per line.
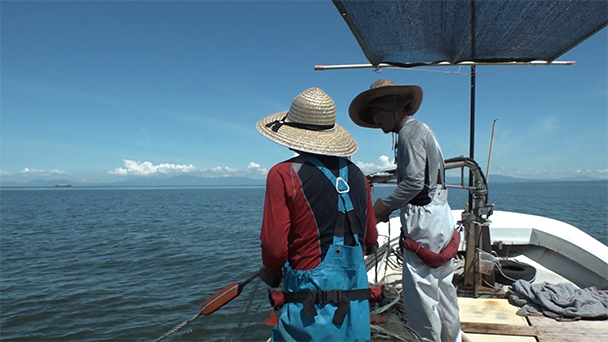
x=408 y=96
x=309 y=126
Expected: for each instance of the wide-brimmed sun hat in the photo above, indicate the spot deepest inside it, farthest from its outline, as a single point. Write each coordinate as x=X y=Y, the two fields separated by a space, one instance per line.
x=309 y=126
x=408 y=96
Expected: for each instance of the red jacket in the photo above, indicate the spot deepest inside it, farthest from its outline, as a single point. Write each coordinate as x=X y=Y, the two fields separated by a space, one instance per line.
x=301 y=211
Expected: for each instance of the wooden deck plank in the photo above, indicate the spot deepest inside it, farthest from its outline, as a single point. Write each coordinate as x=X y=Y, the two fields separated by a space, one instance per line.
x=583 y=325
x=566 y=337
x=495 y=320
x=498 y=329
x=545 y=330
x=497 y=338
x=550 y=330
x=489 y=310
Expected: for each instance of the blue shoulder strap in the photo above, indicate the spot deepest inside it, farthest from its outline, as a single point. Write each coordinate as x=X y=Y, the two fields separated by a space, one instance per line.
x=344 y=203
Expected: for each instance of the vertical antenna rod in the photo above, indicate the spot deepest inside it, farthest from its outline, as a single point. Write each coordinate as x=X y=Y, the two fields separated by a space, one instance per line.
x=490 y=155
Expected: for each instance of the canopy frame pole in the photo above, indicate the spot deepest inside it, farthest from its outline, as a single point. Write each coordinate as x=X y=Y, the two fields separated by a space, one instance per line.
x=471 y=273
x=439 y=64
x=472 y=125
x=478 y=235
x=472 y=105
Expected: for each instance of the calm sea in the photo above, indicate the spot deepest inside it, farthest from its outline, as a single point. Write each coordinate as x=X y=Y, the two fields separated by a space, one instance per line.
x=129 y=264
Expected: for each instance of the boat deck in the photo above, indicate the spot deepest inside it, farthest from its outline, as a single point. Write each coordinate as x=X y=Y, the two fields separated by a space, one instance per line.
x=495 y=320
x=485 y=320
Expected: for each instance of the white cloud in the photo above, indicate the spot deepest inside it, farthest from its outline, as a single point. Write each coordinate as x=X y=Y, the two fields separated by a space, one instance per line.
x=255 y=168
x=384 y=163
x=28 y=171
x=532 y=173
x=39 y=173
x=222 y=171
x=146 y=168
x=252 y=170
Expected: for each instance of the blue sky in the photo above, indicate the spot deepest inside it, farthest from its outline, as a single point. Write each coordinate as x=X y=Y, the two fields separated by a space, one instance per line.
x=100 y=91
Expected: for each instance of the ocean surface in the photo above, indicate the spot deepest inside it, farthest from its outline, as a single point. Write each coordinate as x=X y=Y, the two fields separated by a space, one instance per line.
x=129 y=264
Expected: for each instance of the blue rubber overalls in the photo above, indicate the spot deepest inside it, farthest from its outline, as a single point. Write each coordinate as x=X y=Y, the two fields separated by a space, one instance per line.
x=330 y=302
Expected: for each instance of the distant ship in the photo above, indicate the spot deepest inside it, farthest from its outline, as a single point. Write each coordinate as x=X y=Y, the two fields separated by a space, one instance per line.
x=63 y=185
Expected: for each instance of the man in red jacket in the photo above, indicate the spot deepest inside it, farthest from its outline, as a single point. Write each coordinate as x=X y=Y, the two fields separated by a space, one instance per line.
x=318 y=218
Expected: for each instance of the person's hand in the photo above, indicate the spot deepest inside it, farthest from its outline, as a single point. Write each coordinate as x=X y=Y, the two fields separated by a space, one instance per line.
x=371 y=249
x=272 y=279
x=381 y=211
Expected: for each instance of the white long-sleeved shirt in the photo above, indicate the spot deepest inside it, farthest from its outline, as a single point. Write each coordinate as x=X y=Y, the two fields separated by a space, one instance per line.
x=418 y=156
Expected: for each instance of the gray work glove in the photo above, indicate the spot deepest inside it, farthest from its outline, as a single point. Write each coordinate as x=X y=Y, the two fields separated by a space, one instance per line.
x=381 y=211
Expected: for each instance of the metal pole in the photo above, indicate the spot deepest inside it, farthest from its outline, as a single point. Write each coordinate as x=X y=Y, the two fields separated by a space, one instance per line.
x=472 y=122
x=474 y=228
x=490 y=154
x=438 y=64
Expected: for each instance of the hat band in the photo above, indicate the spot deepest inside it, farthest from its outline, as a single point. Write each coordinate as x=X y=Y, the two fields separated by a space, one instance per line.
x=389 y=102
x=278 y=123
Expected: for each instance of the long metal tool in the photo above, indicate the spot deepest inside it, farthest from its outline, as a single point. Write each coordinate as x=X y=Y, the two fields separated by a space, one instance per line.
x=214 y=303
x=490 y=154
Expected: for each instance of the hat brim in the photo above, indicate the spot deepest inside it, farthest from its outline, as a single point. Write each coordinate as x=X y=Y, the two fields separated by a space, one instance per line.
x=358 y=109
x=335 y=142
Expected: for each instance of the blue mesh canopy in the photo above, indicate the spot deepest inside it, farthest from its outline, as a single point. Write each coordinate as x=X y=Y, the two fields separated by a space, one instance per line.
x=410 y=33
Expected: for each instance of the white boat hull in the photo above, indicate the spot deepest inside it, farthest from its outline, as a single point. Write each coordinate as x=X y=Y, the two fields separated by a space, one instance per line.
x=559 y=251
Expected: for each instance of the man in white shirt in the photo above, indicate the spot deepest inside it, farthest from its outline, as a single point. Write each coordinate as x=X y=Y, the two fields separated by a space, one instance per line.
x=430 y=298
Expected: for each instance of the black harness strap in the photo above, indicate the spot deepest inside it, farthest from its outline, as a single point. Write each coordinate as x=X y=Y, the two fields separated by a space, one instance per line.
x=347 y=223
x=337 y=297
